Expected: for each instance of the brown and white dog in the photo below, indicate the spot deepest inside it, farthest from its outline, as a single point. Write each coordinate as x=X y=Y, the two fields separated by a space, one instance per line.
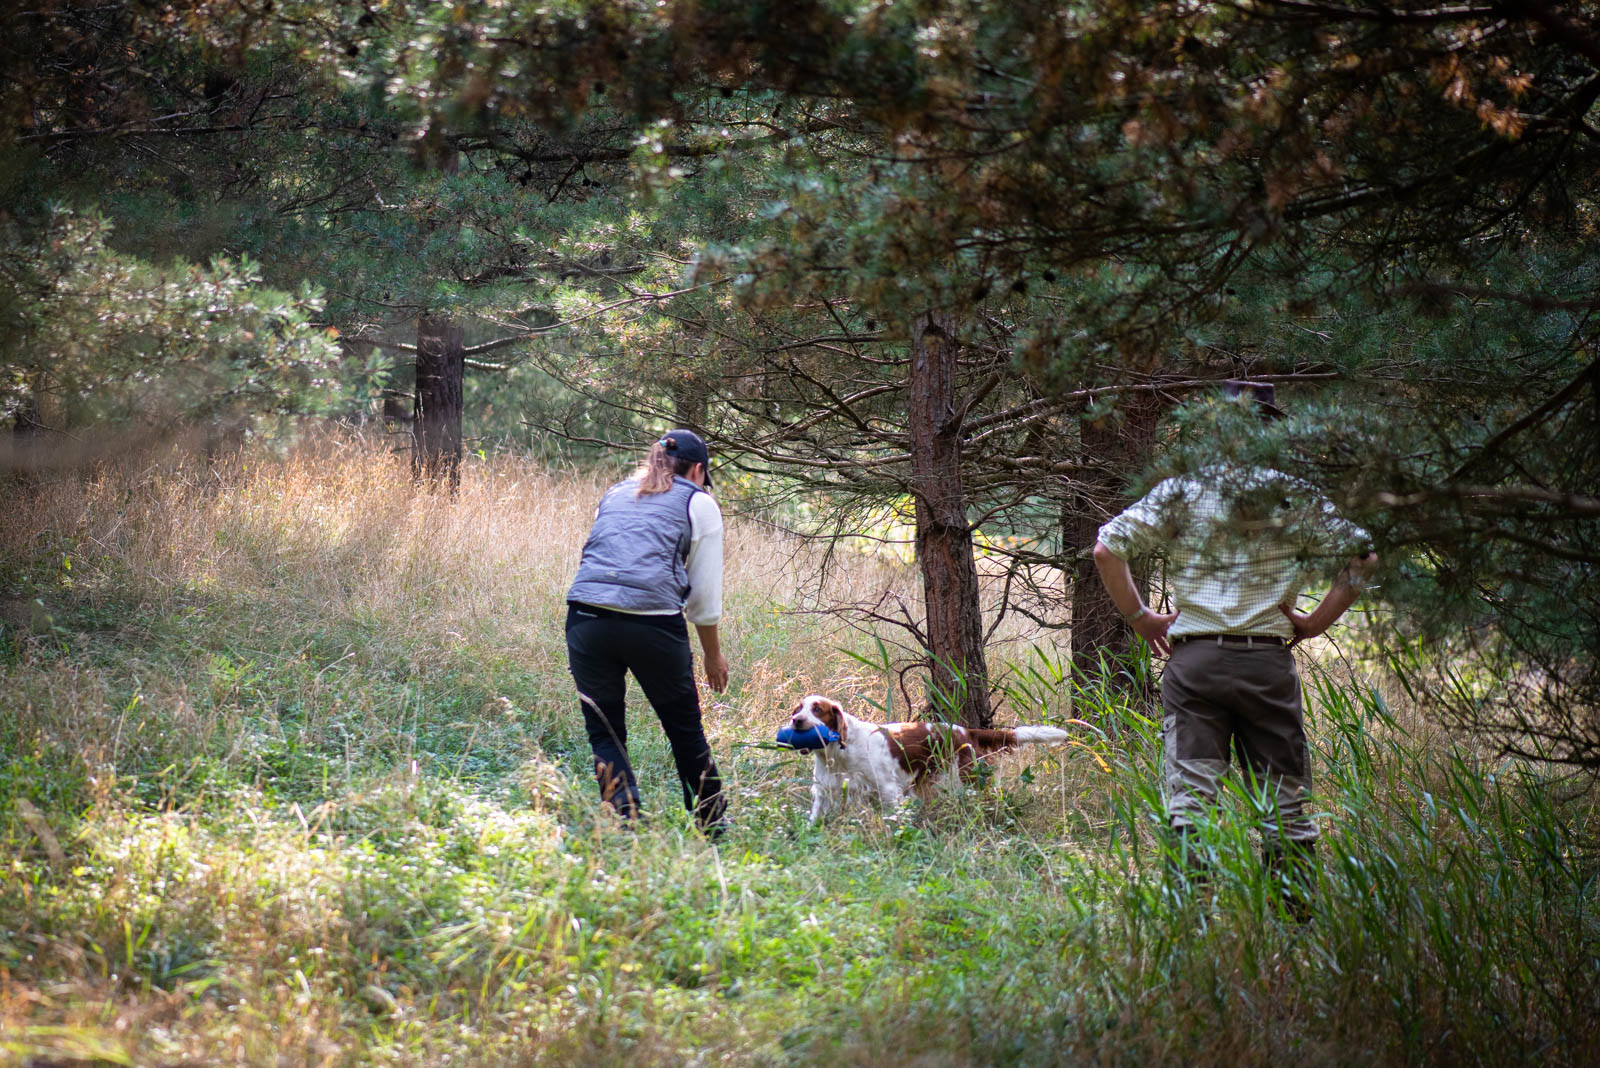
x=890 y=760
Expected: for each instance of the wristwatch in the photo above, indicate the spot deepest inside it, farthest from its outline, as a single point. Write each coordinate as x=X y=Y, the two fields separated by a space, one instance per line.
x=1135 y=614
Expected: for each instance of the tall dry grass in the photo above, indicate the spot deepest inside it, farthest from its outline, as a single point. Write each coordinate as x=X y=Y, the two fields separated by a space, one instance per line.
x=330 y=565
x=337 y=540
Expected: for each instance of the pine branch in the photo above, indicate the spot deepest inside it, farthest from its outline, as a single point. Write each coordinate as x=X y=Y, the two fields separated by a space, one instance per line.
x=1573 y=504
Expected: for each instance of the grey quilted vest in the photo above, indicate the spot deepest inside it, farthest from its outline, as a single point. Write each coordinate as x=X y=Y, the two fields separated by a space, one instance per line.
x=634 y=558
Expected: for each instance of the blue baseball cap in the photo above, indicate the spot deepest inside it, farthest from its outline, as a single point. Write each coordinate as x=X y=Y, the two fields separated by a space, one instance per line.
x=687 y=445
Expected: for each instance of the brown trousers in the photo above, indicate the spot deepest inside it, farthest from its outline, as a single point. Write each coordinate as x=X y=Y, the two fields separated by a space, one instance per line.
x=1221 y=699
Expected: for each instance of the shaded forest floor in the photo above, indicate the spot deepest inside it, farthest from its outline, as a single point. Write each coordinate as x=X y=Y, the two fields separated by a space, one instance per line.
x=291 y=772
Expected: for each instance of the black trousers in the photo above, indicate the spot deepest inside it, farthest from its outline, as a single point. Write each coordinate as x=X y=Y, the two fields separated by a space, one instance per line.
x=602 y=647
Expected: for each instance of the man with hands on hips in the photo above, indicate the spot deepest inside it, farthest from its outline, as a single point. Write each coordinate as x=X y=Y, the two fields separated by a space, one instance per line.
x=1241 y=543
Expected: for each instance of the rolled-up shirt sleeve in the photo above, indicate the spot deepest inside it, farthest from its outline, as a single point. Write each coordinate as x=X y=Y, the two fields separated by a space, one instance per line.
x=1143 y=525
x=704 y=564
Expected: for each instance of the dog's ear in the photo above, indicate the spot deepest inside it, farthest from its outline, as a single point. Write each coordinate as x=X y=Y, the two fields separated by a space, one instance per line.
x=841 y=726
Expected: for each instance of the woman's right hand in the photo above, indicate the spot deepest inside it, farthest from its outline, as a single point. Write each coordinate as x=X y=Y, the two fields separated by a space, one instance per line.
x=717 y=672
x=711 y=650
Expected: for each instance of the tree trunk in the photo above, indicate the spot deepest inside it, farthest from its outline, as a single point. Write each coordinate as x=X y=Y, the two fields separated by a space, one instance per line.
x=28 y=418
x=436 y=409
x=954 y=626
x=1114 y=451
x=23 y=455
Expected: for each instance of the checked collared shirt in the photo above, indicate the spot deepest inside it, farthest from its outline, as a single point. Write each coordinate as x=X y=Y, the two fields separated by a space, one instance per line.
x=1238 y=543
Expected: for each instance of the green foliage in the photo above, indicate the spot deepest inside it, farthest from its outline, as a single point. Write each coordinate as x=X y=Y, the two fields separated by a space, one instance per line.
x=91 y=335
x=1460 y=430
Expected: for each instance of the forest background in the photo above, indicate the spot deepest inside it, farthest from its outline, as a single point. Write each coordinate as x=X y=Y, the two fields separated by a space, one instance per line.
x=325 y=323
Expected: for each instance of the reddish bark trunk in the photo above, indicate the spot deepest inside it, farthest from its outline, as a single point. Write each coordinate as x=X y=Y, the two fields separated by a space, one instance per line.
x=954 y=627
x=1116 y=450
x=436 y=422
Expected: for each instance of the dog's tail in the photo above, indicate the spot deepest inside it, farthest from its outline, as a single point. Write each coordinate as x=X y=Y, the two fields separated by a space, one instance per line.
x=987 y=741
x=1041 y=734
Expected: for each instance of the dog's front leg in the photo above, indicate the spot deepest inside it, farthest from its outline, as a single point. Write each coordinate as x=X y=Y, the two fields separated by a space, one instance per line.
x=891 y=795
x=826 y=789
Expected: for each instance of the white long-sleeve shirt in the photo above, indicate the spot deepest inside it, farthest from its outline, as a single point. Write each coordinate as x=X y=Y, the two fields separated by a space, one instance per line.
x=705 y=561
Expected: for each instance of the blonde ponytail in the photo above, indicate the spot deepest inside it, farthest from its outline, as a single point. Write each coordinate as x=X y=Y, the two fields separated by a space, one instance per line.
x=656 y=473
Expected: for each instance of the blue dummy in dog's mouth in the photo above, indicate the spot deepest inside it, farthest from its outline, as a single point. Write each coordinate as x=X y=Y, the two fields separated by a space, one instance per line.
x=811 y=738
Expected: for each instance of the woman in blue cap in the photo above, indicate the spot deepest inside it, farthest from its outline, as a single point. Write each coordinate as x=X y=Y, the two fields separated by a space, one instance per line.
x=652 y=561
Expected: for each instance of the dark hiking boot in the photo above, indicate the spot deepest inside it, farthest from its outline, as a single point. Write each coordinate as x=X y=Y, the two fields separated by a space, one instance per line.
x=711 y=816
x=1186 y=864
x=1292 y=869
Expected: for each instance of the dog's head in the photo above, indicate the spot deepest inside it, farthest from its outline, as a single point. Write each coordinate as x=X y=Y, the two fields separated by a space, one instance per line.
x=817 y=710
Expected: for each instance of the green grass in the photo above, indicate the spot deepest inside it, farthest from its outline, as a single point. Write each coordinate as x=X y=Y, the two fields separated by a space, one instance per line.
x=249 y=809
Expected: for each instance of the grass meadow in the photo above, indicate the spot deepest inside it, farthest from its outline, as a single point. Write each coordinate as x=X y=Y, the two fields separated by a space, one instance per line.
x=291 y=772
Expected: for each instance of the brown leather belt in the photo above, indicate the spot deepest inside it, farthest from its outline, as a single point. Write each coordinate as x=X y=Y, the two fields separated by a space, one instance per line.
x=1246 y=640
